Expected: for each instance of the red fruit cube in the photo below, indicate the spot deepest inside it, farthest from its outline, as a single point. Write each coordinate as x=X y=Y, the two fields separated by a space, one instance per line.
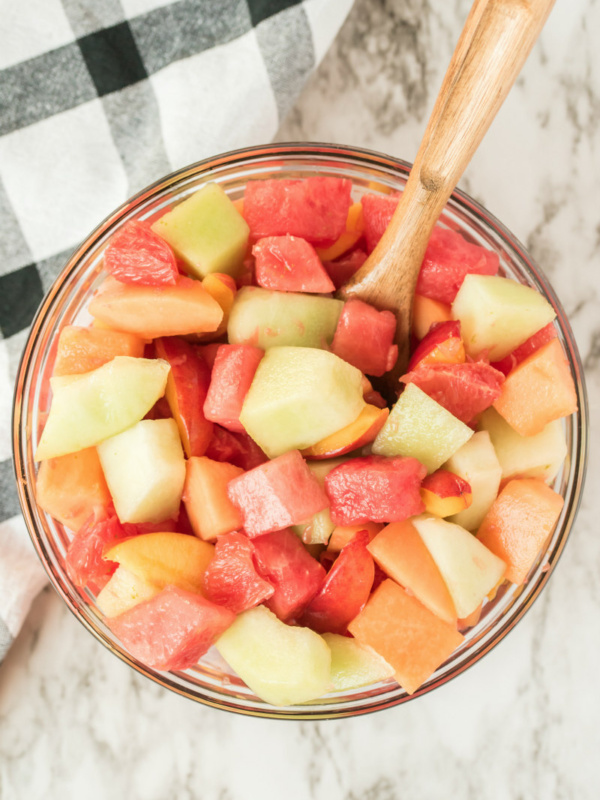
x=137 y=255
x=232 y=374
x=172 y=630
x=231 y=579
x=364 y=338
x=375 y=489
x=295 y=575
x=277 y=494
x=315 y=209
x=85 y=564
x=377 y=213
x=290 y=264
x=342 y=269
x=441 y=344
x=346 y=588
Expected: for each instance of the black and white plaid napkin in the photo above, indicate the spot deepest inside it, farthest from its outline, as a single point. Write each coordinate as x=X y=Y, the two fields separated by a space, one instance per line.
x=97 y=100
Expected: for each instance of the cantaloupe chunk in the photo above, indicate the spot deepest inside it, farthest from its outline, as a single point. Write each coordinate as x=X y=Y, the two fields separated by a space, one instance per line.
x=405 y=633
x=70 y=487
x=210 y=511
x=84 y=349
x=427 y=311
x=538 y=390
x=519 y=523
x=400 y=552
x=154 y=311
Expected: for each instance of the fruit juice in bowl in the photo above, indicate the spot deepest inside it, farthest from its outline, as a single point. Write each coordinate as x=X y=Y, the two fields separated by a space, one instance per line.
x=213 y=680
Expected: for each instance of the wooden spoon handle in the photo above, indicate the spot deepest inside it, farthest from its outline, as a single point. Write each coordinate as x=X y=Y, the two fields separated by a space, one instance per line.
x=496 y=40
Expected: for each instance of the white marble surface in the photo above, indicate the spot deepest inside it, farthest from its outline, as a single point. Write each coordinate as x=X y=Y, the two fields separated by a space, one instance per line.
x=523 y=723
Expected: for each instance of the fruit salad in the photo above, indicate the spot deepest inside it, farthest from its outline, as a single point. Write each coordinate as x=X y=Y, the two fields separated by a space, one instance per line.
x=231 y=477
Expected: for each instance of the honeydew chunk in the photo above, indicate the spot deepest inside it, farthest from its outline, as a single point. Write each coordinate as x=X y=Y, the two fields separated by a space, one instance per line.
x=144 y=468
x=207 y=232
x=283 y=665
x=93 y=406
x=353 y=664
x=266 y=318
x=123 y=591
x=497 y=314
x=538 y=456
x=478 y=464
x=468 y=568
x=420 y=427
x=298 y=396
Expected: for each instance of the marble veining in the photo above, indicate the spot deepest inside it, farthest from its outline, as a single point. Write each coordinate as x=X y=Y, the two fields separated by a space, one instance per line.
x=523 y=723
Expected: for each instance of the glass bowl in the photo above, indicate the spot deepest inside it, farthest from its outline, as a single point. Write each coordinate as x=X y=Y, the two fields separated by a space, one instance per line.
x=212 y=682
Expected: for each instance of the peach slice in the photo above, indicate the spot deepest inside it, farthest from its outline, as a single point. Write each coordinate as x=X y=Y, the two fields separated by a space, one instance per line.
x=363 y=430
x=209 y=509
x=441 y=345
x=445 y=493
x=223 y=289
x=355 y=226
x=427 y=311
x=342 y=534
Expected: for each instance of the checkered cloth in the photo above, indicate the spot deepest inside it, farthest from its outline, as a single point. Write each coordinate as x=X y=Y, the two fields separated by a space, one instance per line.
x=97 y=100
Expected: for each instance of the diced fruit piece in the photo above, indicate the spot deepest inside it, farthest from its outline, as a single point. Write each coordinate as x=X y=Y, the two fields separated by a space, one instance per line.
x=315 y=209
x=290 y=264
x=172 y=630
x=145 y=470
x=364 y=338
x=232 y=374
x=401 y=553
x=164 y=559
x=267 y=319
x=426 y=312
x=375 y=489
x=231 y=579
x=187 y=385
x=343 y=269
x=540 y=338
x=135 y=254
x=208 y=352
x=360 y=432
x=406 y=634
x=441 y=345
x=88 y=408
x=354 y=230
x=283 y=561
x=281 y=664
x=210 y=511
x=464 y=390
x=223 y=289
x=538 y=456
x=85 y=349
x=447 y=260
x=123 y=591
x=469 y=569
x=206 y=231
x=353 y=664
x=477 y=463
x=377 y=213
x=345 y=591
x=84 y=561
x=342 y=534
x=444 y=493
x=519 y=523
x=235 y=448
x=419 y=427
x=154 y=311
x=538 y=391
x=71 y=487
x=277 y=494
x=497 y=314
x=298 y=397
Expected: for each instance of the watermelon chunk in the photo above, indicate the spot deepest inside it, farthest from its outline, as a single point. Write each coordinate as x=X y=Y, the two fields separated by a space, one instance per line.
x=377 y=213
x=172 y=630
x=448 y=258
x=375 y=488
x=231 y=579
x=464 y=390
x=135 y=254
x=315 y=209
x=290 y=264
x=296 y=576
x=342 y=269
x=364 y=338
x=232 y=374
x=84 y=561
x=346 y=588
x=277 y=494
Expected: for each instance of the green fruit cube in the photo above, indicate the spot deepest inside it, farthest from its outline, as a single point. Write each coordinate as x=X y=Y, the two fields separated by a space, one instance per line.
x=476 y=462
x=207 y=232
x=353 y=664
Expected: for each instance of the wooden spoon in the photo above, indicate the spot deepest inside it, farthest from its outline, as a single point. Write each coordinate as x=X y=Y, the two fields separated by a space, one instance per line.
x=494 y=44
